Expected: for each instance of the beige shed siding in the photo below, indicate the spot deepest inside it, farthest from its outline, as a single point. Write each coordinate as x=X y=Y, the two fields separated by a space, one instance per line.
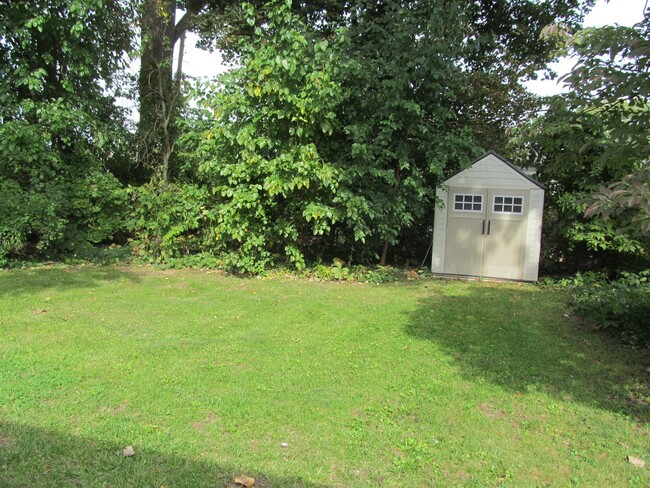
x=534 y=234
x=439 y=234
x=492 y=174
x=489 y=172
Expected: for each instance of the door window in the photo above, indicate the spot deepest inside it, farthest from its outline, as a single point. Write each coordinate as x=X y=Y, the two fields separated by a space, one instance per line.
x=468 y=202
x=508 y=204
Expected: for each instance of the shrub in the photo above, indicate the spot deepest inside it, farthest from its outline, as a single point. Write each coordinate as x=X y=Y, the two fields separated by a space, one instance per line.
x=340 y=271
x=29 y=221
x=97 y=208
x=621 y=305
x=170 y=221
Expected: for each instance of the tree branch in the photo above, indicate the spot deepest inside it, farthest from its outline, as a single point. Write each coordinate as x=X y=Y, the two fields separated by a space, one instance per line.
x=185 y=22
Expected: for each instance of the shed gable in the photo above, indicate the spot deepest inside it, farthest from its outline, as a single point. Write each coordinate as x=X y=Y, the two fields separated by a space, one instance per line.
x=493 y=171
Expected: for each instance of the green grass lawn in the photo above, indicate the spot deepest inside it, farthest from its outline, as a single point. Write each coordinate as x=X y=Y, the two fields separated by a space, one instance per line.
x=429 y=383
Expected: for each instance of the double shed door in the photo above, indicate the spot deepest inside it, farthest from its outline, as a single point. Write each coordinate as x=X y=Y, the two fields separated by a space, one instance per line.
x=486 y=232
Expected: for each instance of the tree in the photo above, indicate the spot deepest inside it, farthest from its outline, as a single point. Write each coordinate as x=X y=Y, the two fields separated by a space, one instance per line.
x=430 y=85
x=59 y=127
x=591 y=145
x=399 y=123
x=566 y=146
x=612 y=78
x=505 y=46
x=159 y=93
x=414 y=77
x=267 y=120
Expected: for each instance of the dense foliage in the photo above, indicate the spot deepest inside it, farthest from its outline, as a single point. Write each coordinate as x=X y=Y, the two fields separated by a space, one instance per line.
x=591 y=148
x=169 y=221
x=331 y=135
x=261 y=158
x=59 y=129
x=567 y=146
x=400 y=124
x=326 y=139
x=621 y=306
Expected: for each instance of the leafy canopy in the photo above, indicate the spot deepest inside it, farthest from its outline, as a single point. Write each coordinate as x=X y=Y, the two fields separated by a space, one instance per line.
x=591 y=146
x=268 y=118
x=59 y=128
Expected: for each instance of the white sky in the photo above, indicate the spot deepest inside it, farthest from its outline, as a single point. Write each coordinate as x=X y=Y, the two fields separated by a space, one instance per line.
x=197 y=62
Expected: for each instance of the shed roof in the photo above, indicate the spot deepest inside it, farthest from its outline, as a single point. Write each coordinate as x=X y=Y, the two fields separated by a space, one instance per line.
x=506 y=162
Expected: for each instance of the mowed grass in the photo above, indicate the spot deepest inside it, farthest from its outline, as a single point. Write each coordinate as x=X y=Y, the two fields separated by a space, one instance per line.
x=297 y=383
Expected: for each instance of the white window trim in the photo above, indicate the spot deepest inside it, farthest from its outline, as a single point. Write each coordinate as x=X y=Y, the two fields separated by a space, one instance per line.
x=454 y=209
x=494 y=199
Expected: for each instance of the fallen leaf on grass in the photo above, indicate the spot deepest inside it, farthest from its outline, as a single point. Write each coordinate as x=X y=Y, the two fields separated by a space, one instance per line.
x=128 y=451
x=639 y=463
x=244 y=480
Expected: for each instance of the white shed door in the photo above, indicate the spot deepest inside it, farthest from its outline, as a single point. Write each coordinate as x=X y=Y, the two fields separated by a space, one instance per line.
x=505 y=238
x=486 y=233
x=465 y=230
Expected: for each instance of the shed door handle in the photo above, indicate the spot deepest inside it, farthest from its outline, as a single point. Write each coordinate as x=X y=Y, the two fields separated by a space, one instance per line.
x=489 y=222
x=483 y=230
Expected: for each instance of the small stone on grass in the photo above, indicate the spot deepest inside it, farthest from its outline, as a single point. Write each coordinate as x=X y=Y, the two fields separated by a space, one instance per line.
x=639 y=463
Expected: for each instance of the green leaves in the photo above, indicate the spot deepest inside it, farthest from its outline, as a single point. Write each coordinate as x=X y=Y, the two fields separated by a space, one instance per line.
x=263 y=149
x=621 y=305
x=400 y=81
x=594 y=141
x=333 y=131
x=59 y=130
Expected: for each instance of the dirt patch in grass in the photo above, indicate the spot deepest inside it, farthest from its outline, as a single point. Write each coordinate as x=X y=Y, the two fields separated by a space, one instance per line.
x=491 y=412
x=121 y=408
x=463 y=476
x=6 y=442
x=202 y=424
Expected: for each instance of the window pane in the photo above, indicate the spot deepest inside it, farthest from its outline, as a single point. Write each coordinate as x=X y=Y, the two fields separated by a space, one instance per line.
x=498 y=199
x=507 y=208
x=458 y=206
x=518 y=201
x=477 y=198
x=477 y=206
x=458 y=198
x=516 y=209
x=498 y=208
x=507 y=200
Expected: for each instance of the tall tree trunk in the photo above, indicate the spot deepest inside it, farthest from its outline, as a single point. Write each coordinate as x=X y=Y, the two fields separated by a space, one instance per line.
x=181 y=54
x=158 y=91
x=168 y=103
x=384 y=254
x=155 y=82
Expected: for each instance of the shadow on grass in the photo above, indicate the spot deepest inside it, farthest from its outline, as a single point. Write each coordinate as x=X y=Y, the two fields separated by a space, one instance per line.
x=31 y=457
x=520 y=341
x=33 y=280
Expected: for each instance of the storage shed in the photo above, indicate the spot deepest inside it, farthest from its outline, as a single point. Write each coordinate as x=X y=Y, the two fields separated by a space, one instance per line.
x=491 y=222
